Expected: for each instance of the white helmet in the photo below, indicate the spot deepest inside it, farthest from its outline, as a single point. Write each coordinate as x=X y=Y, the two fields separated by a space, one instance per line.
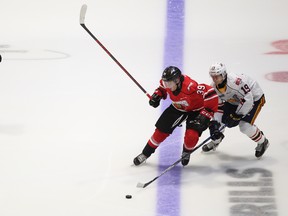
x=218 y=69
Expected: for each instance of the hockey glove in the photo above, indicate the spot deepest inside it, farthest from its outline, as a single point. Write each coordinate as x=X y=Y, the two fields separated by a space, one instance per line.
x=214 y=130
x=201 y=121
x=233 y=120
x=156 y=97
x=155 y=100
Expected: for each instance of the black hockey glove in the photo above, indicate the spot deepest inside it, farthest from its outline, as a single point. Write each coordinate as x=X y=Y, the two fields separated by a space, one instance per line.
x=233 y=120
x=214 y=130
x=201 y=121
x=155 y=100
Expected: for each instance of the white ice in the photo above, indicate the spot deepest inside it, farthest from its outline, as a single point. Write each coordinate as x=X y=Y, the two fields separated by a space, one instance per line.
x=71 y=121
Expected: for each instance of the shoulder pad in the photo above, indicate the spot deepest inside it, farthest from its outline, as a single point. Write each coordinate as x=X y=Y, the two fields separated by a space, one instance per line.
x=189 y=85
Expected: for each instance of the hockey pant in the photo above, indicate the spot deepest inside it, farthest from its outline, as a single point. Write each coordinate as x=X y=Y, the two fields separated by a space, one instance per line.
x=246 y=125
x=167 y=122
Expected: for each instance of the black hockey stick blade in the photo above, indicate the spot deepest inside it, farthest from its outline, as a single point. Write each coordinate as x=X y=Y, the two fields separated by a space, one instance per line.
x=83 y=14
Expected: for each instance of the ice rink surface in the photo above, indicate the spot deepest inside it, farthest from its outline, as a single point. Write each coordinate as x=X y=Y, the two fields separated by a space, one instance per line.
x=71 y=121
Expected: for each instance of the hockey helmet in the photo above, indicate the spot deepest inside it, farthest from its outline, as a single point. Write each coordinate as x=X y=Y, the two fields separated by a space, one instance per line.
x=218 y=69
x=171 y=73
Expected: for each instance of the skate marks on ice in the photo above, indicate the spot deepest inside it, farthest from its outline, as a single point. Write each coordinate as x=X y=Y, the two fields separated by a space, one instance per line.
x=216 y=164
x=219 y=163
x=16 y=52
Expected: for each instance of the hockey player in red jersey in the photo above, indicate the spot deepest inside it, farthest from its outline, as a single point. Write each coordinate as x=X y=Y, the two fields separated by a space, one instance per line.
x=191 y=102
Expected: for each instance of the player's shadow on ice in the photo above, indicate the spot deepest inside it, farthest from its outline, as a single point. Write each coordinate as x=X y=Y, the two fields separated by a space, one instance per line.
x=212 y=174
x=213 y=167
x=234 y=160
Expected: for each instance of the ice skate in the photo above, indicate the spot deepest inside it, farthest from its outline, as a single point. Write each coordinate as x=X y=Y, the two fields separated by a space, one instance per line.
x=186 y=158
x=213 y=144
x=261 y=148
x=141 y=158
x=210 y=146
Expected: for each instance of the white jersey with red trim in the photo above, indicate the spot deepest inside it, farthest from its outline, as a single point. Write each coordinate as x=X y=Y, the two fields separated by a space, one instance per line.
x=240 y=90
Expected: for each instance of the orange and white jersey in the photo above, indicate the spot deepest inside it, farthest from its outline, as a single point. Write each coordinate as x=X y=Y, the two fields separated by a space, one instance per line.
x=240 y=90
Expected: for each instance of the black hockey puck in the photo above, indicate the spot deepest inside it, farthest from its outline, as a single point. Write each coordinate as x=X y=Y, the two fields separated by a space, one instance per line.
x=128 y=196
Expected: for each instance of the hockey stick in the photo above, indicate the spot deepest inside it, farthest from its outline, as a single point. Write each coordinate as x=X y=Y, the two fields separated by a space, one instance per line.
x=82 y=23
x=143 y=185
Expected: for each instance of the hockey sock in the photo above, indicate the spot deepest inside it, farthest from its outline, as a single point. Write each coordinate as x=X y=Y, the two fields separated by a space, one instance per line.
x=148 y=150
x=252 y=132
x=157 y=138
x=190 y=140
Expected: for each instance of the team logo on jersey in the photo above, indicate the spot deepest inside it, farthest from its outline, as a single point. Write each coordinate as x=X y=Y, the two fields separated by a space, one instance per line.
x=238 y=81
x=233 y=99
x=180 y=104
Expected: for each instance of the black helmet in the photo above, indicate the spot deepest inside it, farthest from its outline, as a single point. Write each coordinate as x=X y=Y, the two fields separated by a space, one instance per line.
x=171 y=73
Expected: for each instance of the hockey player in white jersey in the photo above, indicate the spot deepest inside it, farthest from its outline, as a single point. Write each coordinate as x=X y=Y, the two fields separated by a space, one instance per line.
x=240 y=101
